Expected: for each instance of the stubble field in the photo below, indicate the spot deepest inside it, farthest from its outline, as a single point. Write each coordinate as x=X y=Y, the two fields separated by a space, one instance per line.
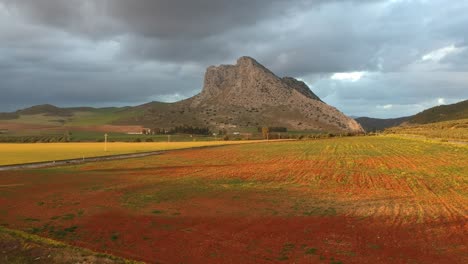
x=19 y=153
x=345 y=200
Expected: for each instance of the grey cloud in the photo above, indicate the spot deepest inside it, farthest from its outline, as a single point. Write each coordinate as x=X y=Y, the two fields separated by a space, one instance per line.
x=104 y=52
x=409 y=92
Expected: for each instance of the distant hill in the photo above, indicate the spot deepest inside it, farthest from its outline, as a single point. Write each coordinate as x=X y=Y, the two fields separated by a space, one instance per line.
x=436 y=114
x=377 y=124
x=46 y=109
x=441 y=113
x=238 y=97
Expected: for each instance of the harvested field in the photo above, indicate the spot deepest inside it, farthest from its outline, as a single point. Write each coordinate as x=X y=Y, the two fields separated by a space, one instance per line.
x=344 y=200
x=13 y=153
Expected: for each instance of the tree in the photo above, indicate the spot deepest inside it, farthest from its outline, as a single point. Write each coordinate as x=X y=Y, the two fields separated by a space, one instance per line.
x=266 y=132
x=190 y=130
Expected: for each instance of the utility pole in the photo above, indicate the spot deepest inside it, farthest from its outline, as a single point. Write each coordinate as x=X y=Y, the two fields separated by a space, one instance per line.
x=105 y=142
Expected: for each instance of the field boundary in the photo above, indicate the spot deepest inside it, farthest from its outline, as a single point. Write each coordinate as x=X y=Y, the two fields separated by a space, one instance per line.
x=65 y=162
x=51 y=243
x=456 y=142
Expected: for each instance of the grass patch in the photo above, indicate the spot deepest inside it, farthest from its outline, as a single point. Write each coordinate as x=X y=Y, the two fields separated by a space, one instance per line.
x=115 y=236
x=56 y=251
x=68 y=217
x=319 y=211
x=70 y=229
x=346 y=253
x=181 y=189
x=28 y=219
x=311 y=251
x=287 y=248
x=373 y=246
x=61 y=233
x=53 y=231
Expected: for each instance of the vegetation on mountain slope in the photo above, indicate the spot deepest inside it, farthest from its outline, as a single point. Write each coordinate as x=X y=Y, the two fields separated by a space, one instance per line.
x=435 y=114
x=441 y=113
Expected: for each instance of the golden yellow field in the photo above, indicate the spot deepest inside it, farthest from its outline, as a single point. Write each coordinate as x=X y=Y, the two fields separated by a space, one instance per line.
x=36 y=152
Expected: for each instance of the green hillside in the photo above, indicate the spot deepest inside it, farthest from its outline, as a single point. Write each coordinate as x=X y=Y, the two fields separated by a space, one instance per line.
x=436 y=114
x=441 y=113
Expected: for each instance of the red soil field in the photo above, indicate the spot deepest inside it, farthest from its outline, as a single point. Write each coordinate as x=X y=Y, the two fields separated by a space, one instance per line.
x=349 y=200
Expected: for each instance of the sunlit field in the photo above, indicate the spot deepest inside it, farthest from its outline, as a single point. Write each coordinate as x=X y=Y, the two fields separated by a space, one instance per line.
x=342 y=200
x=448 y=130
x=36 y=152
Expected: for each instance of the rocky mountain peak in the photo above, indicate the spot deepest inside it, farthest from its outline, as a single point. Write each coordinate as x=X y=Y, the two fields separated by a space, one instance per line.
x=250 y=63
x=251 y=80
x=246 y=60
x=249 y=86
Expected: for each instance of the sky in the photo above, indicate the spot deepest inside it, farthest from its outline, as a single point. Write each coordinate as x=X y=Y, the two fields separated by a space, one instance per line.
x=377 y=58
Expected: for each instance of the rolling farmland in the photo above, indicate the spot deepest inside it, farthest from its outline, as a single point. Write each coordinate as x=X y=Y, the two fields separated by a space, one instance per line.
x=343 y=200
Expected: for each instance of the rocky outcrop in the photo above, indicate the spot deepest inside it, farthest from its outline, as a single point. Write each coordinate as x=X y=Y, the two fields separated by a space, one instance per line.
x=273 y=101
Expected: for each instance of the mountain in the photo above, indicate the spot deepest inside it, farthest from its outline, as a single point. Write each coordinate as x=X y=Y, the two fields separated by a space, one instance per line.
x=238 y=97
x=435 y=114
x=377 y=124
x=247 y=95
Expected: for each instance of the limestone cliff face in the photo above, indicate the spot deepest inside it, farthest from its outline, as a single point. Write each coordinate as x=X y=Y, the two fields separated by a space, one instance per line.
x=269 y=100
x=301 y=87
x=246 y=84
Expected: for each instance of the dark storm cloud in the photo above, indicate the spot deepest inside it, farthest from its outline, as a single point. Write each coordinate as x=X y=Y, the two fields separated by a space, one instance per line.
x=171 y=30
x=164 y=19
x=103 y=52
